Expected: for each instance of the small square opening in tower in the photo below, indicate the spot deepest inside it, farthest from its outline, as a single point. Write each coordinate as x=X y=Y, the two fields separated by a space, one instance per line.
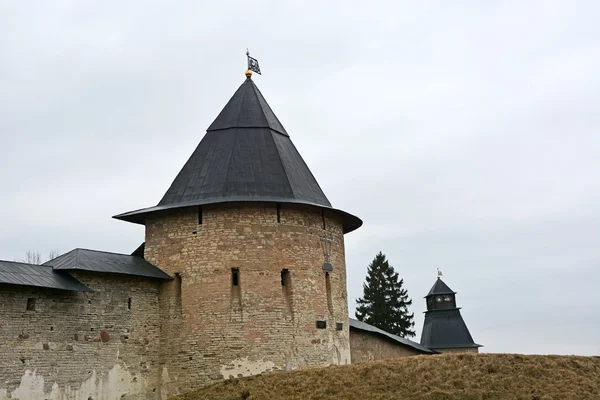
x=31 y=304
x=285 y=276
x=235 y=276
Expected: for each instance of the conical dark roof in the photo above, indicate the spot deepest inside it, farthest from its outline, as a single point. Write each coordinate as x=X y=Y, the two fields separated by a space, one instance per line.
x=439 y=287
x=246 y=155
x=446 y=329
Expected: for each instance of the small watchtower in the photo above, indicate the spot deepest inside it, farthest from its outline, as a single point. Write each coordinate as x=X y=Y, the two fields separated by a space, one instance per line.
x=444 y=329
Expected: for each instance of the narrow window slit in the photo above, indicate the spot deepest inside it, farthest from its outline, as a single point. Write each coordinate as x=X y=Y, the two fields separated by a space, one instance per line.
x=285 y=275
x=278 y=213
x=286 y=289
x=129 y=303
x=235 y=276
x=323 y=218
x=31 y=304
x=199 y=216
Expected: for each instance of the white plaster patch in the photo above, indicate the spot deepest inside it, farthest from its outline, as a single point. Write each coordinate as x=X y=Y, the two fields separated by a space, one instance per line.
x=55 y=394
x=116 y=383
x=165 y=378
x=245 y=367
x=30 y=388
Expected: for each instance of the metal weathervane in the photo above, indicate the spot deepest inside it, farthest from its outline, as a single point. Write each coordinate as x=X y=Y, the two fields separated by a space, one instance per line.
x=252 y=63
x=439 y=273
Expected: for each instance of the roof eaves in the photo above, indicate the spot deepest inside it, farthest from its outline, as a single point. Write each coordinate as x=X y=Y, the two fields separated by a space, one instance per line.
x=455 y=346
x=138 y=216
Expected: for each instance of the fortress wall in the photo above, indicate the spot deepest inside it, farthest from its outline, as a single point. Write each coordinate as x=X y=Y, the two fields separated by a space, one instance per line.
x=367 y=346
x=73 y=345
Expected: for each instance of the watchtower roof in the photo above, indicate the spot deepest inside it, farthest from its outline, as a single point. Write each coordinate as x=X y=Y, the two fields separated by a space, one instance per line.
x=439 y=287
x=245 y=156
x=444 y=328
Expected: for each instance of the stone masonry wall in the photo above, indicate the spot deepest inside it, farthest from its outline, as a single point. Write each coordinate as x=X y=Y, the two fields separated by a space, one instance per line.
x=212 y=329
x=78 y=346
x=367 y=346
x=459 y=350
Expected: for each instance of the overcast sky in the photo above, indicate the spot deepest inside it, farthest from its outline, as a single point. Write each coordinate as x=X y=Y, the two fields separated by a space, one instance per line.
x=466 y=135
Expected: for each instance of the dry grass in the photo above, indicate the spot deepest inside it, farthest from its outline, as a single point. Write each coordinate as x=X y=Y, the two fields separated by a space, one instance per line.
x=440 y=377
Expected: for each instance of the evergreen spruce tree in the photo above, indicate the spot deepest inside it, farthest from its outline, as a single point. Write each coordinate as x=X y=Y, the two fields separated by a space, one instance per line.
x=385 y=302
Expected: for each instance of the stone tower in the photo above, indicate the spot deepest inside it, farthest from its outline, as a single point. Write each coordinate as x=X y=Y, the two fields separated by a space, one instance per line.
x=444 y=329
x=257 y=253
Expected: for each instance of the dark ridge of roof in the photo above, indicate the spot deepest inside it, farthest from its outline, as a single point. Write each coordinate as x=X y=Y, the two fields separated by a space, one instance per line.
x=446 y=329
x=139 y=252
x=439 y=287
x=245 y=156
x=247 y=109
x=23 y=274
x=100 y=261
x=356 y=324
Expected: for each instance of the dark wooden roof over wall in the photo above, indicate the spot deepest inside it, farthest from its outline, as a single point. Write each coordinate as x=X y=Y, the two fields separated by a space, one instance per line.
x=23 y=274
x=55 y=274
x=101 y=261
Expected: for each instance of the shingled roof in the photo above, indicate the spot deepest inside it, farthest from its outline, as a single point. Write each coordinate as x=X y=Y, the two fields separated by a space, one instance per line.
x=245 y=156
x=101 y=261
x=446 y=329
x=23 y=274
x=439 y=287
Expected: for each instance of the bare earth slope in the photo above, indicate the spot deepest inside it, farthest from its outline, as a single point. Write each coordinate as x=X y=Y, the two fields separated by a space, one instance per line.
x=439 y=377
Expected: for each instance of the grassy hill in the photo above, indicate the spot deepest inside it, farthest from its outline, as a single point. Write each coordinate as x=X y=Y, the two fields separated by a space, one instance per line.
x=439 y=377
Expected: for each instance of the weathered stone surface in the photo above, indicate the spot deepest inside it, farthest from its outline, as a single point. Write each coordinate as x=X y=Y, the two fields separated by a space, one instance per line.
x=41 y=356
x=459 y=350
x=367 y=346
x=212 y=329
x=137 y=338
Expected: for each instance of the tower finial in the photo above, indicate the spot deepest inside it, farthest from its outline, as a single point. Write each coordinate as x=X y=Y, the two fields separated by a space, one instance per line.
x=439 y=273
x=248 y=73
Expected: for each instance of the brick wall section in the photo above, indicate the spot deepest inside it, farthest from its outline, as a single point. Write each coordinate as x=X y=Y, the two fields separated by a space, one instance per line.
x=216 y=330
x=368 y=346
x=81 y=345
x=459 y=350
